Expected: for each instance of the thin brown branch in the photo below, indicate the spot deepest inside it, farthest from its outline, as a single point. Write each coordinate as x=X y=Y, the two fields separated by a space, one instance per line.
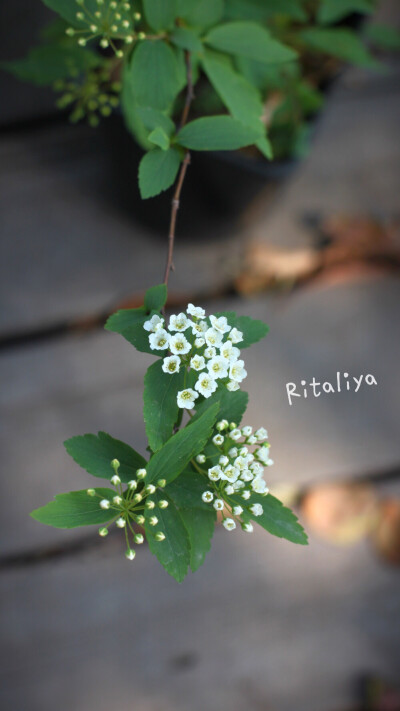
x=176 y=199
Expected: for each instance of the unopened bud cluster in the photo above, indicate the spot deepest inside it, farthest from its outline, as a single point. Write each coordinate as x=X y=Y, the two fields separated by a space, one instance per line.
x=93 y=95
x=205 y=344
x=131 y=506
x=238 y=475
x=111 y=22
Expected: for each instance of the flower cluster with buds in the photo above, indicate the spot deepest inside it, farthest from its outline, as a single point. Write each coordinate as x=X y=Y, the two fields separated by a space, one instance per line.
x=205 y=345
x=92 y=95
x=113 y=21
x=132 y=507
x=242 y=457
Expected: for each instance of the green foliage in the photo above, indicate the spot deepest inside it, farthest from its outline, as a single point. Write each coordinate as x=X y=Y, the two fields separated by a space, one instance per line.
x=74 y=509
x=201 y=13
x=383 y=37
x=48 y=63
x=341 y=43
x=276 y=519
x=160 y=409
x=250 y=40
x=253 y=330
x=174 y=552
x=217 y=133
x=185 y=38
x=160 y=14
x=96 y=452
x=159 y=138
x=263 y=10
x=232 y=405
x=331 y=11
x=67 y=9
x=200 y=527
x=153 y=75
x=186 y=491
x=158 y=170
x=155 y=298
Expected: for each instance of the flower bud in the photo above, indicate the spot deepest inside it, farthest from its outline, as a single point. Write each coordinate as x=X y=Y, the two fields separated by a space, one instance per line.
x=139 y=519
x=149 y=504
x=137 y=498
x=138 y=538
x=141 y=473
x=232 y=426
x=120 y=522
x=103 y=532
x=115 y=480
x=161 y=483
x=159 y=536
x=105 y=504
x=150 y=489
x=117 y=500
x=90 y=492
x=163 y=504
x=132 y=484
x=130 y=554
x=153 y=520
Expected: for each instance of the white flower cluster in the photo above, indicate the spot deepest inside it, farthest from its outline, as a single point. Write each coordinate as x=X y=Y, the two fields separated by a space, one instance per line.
x=244 y=454
x=131 y=506
x=203 y=344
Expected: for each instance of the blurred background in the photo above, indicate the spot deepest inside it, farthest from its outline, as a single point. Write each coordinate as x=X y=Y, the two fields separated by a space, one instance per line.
x=311 y=246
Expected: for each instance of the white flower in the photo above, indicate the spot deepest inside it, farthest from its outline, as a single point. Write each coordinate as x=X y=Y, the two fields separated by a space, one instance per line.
x=207 y=496
x=238 y=485
x=237 y=510
x=235 y=336
x=214 y=473
x=120 y=522
x=222 y=425
x=259 y=486
x=229 y=490
x=257 y=469
x=248 y=527
x=235 y=434
x=233 y=452
x=246 y=494
x=115 y=480
x=237 y=371
x=263 y=454
x=269 y=462
x=218 y=504
x=218 y=367
x=197 y=362
x=199 y=342
x=171 y=364
x=179 y=322
x=218 y=439
x=240 y=462
x=243 y=450
x=199 y=328
x=223 y=460
x=213 y=337
x=153 y=324
x=210 y=352
x=186 y=398
x=232 y=386
x=130 y=554
x=246 y=431
x=261 y=434
x=229 y=352
x=179 y=345
x=220 y=324
x=195 y=311
x=252 y=439
x=257 y=509
x=247 y=475
x=105 y=504
x=117 y=500
x=229 y=524
x=206 y=385
x=201 y=458
x=159 y=340
x=230 y=473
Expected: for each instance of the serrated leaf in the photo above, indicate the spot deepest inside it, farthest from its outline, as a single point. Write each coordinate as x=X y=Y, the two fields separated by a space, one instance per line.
x=339 y=42
x=169 y=461
x=157 y=171
x=160 y=14
x=125 y=318
x=154 y=75
x=74 y=509
x=186 y=490
x=44 y=65
x=155 y=298
x=250 y=40
x=159 y=138
x=276 y=519
x=330 y=11
x=253 y=330
x=160 y=409
x=186 y=39
x=174 y=552
x=200 y=526
x=217 y=133
x=200 y=13
x=152 y=118
x=232 y=405
x=94 y=453
x=383 y=36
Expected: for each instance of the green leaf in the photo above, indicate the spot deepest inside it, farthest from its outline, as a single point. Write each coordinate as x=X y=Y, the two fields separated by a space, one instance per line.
x=169 y=461
x=341 y=43
x=330 y=11
x=265 y=147
x=263 y=10
x=186 y=490
x=155 y=298
x=276 y=519
x=160 y=14
x=160 y=406
x=44 y=65
x=200 y=526
x=152 y=118
x=383 y=36
x=217 y=133
x=157 y=171
x=68 y=9
x=241 y=98
x=186 y=39
x=253 y=330
x=232 y=405
x=125 y=318
x=159 y=138
x=200 y=13
x=174 y=552
x=75 y=509
x=154 y=75
x=250 y=40
x=95 y=454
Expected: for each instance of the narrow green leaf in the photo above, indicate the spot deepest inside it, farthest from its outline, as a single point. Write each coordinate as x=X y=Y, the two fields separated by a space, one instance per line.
x=200 y=526
x=159 y=138
x=75 y=509
x=265 y=147
x=186 y=490
x=250 y=40
x=95 y=454
x=174 y=552
x=217 y=133
x=155 y=298
x=157 y=171
x=383 y=36
x=339 y=42
x=160 y=409
x=330 y=11
x=154 y=75
x=44 y=65
x=200 y=13
x=160 y=14
x=276 y=519
x=253 y=330
x=232 y=405
x=169 y=461
x=186 y=39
